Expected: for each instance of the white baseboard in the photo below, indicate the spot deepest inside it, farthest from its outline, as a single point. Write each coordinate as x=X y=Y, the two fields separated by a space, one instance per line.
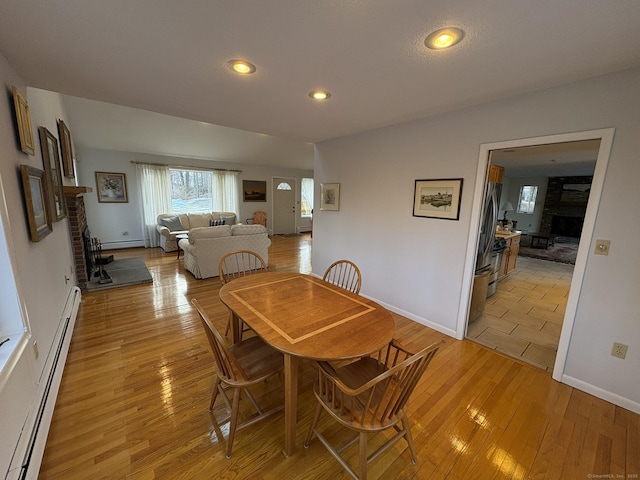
x=118 y=245
x=29 y=451
x=601 y=393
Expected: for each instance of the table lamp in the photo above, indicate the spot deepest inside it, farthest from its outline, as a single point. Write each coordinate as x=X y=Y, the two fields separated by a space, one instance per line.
x=507 y=207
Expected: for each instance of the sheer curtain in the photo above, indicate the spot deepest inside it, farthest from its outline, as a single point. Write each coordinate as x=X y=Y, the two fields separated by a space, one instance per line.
x=155 y=186
x=225 y=192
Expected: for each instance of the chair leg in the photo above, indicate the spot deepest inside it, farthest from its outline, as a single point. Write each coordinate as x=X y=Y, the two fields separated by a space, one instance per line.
x=409 y=437
x=214 y=395
x=314 y=424
x=234 y=420
x=363 y=455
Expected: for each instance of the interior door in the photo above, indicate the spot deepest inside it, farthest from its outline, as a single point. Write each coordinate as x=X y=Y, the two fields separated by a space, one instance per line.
x=284 y=205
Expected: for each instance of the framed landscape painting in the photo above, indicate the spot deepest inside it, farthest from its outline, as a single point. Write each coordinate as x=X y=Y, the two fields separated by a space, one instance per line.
x=254 y=190
x=66 y=148
x=437 y=198
x=23 y=119
x=51 y=160
x=34 y=186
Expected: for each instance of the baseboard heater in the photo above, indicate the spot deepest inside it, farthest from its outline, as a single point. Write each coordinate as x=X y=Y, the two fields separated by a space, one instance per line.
x=35 y=447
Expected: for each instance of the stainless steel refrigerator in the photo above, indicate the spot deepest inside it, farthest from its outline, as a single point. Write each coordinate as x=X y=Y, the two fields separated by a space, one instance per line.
x=490 y=249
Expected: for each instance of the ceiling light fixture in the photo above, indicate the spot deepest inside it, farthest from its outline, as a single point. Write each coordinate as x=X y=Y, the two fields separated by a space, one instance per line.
x=319 y=95
x=444 y=38
x=241 y=66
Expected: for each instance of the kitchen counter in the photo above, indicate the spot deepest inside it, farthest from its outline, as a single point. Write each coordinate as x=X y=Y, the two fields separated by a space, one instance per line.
x=506 y=235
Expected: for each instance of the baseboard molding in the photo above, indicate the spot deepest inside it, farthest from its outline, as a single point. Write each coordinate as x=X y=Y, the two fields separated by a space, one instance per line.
x=118 y=245
x=601 y=393
x=30 y=448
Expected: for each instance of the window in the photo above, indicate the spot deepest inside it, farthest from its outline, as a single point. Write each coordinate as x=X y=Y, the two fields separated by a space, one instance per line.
x=306 y=197
x=527 y=202
x=202 y=191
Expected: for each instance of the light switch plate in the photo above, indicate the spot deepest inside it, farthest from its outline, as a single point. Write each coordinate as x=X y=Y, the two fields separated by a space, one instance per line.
x=602 y=247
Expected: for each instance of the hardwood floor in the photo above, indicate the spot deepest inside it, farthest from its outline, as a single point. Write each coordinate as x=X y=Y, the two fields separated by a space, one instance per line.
x=137 y=384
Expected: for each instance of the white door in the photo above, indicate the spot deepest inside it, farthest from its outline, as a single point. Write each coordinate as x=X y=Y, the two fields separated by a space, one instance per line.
x=284 y=206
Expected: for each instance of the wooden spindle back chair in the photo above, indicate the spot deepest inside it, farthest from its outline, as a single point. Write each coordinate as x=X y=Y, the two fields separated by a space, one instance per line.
x=344 y=274
x=239 y=366
x=368 y=396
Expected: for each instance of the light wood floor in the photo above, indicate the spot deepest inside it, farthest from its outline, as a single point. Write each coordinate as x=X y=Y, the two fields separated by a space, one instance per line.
x=135 y=392
x=524 y=317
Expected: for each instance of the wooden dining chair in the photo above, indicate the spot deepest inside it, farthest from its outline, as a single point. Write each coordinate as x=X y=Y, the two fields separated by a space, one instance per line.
x=370 y=395
x=345 y=274
x=239 y=366
x=236 y=264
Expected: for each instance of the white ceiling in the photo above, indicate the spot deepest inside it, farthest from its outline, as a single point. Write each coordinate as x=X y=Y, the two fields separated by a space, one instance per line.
x=168 y=57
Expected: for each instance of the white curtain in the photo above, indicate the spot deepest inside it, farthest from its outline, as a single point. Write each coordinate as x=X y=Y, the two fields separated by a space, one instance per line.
x=307 y=196
x=225 y=192
x=155 y=186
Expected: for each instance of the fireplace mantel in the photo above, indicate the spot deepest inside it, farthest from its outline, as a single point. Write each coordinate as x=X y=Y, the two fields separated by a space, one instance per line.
x=75 y=191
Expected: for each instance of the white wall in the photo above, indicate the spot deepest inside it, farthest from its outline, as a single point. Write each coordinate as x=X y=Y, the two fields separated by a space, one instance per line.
x=415 y=265
x=39 y=268
x=108 y=221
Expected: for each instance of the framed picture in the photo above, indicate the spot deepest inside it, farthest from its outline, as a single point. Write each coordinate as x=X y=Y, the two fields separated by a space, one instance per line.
x=254 y=190
x=438 y=198
x=35 y=190
x=23 y=118
x=330 y=196
x=111 y=187
x=55 y=202
x=575 y=193
x=66 y=147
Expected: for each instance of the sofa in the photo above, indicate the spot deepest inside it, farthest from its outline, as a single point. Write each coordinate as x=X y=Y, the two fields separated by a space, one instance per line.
x=172 y=224
x=207 y=245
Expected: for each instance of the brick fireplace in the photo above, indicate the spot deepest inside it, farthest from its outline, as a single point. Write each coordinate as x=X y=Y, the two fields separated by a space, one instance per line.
x=78 y=229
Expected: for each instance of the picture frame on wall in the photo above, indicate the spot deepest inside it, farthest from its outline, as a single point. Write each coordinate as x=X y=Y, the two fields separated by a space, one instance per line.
x=330 y=196
x=35 y=191
x=438 y=198
x=23 y=119
x=66 y=149
x=51 y=160
x=111 y=187
x=254 y=190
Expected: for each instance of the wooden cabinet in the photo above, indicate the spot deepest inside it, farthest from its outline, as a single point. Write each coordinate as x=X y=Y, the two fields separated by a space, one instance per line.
x=510 y=254
x=496 y=173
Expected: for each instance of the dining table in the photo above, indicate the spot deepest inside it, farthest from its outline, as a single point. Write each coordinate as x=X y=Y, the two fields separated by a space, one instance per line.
x=303 y=316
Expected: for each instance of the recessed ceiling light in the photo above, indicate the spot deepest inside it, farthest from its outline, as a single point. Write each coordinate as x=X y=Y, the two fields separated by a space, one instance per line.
x=444 y=38
x=241 y=66
x=319 y=95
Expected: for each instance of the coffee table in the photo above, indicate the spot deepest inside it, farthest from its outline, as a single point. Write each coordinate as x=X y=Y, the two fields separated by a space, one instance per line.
x=178 y=238
x=539 y=240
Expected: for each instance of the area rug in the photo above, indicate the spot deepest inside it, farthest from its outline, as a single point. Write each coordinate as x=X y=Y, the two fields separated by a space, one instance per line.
x=128 y=271
x=564 y=250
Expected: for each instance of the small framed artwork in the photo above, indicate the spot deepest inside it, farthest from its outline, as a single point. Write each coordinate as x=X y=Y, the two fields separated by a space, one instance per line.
x=35 y=190
x=23 y=118
x=330 y=196
x=111 y=187
x=438 y=198
x=254 y=190
x=66 y=147
x=56 y=202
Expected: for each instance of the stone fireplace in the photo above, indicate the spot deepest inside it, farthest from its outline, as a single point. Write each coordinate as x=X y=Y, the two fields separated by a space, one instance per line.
x=564 y=214
x=79 y=231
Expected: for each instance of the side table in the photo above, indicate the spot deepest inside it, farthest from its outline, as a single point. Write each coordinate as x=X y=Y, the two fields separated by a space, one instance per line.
x=178 y=238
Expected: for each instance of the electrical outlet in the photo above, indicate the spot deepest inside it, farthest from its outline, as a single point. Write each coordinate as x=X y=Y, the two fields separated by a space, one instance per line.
x=36 y=351
x=619 y=350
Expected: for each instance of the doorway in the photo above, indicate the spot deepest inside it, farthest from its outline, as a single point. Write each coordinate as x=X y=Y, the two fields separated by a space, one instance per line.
x=605 y=136
x=284 y=205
